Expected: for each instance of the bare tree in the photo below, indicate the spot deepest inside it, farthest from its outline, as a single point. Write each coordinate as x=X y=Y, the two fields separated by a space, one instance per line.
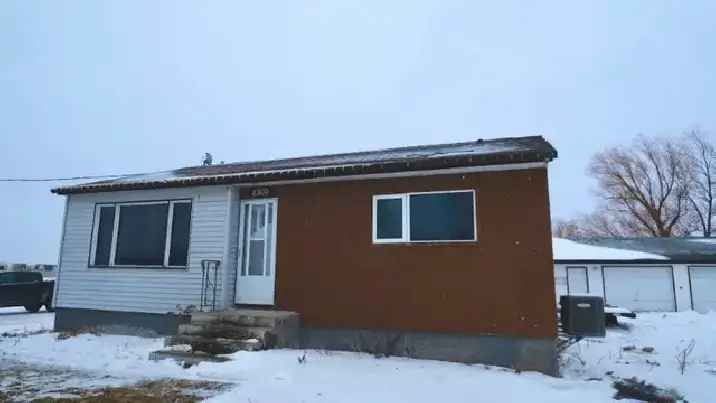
x=567 y=228
x=599 y=224
x=645 y=188
x=701 y=166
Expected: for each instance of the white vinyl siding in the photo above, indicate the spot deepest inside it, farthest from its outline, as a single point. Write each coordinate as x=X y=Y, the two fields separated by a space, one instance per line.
x=577 y=280
x=153 y=290
x=232 y=252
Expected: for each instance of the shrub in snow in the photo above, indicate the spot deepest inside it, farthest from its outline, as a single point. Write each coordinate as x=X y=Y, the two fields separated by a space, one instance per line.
x=633 y=388
x=683 y=356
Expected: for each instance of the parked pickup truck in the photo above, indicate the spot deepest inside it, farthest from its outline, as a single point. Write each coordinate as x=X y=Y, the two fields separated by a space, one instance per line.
x=26 y=289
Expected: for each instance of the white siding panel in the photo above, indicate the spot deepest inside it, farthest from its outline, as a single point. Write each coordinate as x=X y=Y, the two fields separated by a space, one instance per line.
x=560 y=280
x=137 y=289
x=577 y=280
x=231 y=260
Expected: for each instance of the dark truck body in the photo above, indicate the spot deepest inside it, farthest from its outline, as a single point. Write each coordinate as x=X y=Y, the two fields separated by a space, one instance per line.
x=26 y=289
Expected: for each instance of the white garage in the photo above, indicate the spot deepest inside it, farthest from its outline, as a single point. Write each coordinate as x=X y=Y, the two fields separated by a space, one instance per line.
x=640 y=288
x=641 y=274
x=703 y=288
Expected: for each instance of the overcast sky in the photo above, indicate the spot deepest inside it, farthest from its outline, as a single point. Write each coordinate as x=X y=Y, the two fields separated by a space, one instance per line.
x=90 y=87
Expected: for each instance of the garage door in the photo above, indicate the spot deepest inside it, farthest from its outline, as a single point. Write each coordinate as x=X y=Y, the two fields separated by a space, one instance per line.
x=703 y=288
x=641 y=289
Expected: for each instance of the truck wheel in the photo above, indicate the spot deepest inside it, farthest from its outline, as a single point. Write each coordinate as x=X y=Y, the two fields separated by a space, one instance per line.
x=33 y=308
x=48 y=306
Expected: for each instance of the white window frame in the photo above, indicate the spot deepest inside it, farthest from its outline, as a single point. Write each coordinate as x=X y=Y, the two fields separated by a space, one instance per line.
x=115 y=231
x=405 y=198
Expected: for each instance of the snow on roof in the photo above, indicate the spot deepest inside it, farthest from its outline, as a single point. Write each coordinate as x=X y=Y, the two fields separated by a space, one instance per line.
x=565 y=249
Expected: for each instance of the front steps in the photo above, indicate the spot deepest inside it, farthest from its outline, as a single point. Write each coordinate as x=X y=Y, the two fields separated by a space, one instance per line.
x=235 y=330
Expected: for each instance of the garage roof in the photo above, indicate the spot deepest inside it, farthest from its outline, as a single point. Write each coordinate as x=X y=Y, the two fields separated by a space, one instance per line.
x=611 y=250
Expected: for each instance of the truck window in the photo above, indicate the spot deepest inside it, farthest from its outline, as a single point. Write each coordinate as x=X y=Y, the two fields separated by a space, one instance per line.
x=28 y=277
x=7 y=278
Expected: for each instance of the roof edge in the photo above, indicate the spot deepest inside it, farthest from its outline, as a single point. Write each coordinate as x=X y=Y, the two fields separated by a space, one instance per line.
x=297 y=176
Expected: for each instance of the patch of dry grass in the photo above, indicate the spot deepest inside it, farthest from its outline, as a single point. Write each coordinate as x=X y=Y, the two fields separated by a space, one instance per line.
x=160 y=391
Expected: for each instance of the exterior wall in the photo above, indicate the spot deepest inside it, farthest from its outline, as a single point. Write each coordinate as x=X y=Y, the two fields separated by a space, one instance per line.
x=594 y=279
x=232 y=251
x=147 y=290
x=682 y=284
x=330 y=272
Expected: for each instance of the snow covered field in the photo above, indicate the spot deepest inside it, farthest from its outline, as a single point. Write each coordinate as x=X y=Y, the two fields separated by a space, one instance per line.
x=277 y=375
x=17 y=320
x=623 y=353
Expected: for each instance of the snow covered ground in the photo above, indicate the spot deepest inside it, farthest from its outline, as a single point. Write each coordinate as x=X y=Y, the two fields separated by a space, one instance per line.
x=622 y=352
x=17 y=320
x=278 y=376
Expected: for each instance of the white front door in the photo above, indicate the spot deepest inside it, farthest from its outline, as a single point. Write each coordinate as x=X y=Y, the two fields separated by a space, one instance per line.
x=256 y=282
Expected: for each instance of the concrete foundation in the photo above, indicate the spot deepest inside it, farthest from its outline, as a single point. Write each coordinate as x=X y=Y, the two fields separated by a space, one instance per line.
x=74 y=319
x=511 y=352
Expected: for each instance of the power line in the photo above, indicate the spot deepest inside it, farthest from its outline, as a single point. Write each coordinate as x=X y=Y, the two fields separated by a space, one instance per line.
x=75 y=178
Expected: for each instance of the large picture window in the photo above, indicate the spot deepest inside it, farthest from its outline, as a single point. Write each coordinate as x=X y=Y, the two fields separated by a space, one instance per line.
x=154 y=234
x=424 y=217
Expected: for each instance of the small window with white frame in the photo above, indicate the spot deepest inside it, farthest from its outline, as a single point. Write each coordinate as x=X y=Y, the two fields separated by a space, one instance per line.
x=141 y=234
x=445 y=216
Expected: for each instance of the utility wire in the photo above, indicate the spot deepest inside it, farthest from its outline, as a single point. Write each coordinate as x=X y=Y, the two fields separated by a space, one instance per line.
x=74 y=178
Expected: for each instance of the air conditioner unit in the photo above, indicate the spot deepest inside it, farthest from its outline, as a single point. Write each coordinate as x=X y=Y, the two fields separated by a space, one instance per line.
x=582 y=315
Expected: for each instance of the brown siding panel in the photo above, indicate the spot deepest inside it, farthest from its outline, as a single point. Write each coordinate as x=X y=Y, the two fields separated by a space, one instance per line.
x=330 y=271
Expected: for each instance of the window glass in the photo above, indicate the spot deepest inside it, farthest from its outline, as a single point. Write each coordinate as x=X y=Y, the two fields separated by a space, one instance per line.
x=245 y=238
x=269 y=238
x=7 y=278
x=257 y=253
x=27 y=277
x=180 y=234
x=104 y=236
x=141 y=238
x=389 y=218
x=442 y=216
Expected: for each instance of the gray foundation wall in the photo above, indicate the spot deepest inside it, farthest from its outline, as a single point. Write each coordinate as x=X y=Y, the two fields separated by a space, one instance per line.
x=511 y=352
x=74 y=319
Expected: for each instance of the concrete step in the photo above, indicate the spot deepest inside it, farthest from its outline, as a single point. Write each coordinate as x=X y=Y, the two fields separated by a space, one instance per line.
x=217 y=345
x=226 y=330
x=261 y=318
x=244 y=317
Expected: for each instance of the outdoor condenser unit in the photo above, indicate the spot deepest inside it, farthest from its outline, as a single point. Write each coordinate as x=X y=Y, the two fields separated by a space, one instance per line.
x=582 y=315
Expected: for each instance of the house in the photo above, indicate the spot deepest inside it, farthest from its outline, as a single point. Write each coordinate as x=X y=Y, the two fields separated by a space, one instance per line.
x=446 y=246
x=641 y=274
